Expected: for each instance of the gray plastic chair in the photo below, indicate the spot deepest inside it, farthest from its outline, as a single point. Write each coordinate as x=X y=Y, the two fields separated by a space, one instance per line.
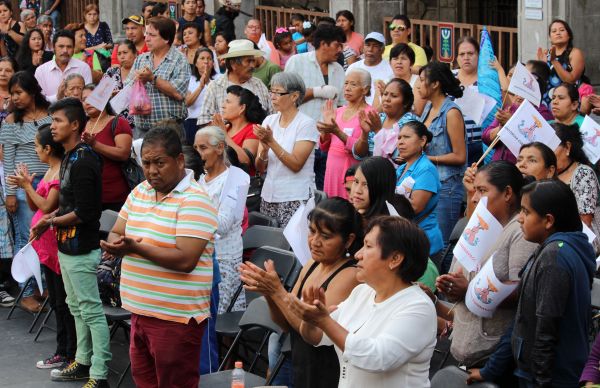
x=259 y=235
x=256 y=218
x=108 y=220
x=454 y=377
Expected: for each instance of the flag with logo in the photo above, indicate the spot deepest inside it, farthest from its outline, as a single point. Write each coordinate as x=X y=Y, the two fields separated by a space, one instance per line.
x=99 y=97
x=526 y=126
x=524 y=84
x=590 y=131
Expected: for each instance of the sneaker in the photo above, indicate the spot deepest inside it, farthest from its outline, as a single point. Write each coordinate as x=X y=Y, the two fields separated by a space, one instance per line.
x=6 y=300
x=93 y=383
x=73 y=371
x=55 y=361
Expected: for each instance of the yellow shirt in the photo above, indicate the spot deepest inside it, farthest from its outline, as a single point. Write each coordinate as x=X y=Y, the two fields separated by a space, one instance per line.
x=420 y=57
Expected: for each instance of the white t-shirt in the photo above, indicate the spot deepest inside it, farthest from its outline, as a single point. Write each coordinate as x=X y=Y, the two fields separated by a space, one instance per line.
x=389 y=344
x=383 y=71
x=281 y=183
x=196 y=107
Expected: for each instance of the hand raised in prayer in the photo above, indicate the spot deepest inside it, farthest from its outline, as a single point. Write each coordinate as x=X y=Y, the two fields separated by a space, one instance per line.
x=369 y=121
x=121 y=246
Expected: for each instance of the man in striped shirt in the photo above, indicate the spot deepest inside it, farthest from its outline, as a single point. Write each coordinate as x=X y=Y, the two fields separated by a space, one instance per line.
x=165 y=234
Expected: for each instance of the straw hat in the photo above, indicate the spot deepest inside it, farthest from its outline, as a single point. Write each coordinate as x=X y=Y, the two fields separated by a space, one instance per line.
x=231 y=3
x=241 y=48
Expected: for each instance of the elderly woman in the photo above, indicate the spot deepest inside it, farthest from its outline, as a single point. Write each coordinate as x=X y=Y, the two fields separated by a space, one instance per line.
x=384 y=333
x=340 y=130
x=287 y=141
x=335 y=234
x=210 y=143
x=45 y=24
x=72 y=86
x=28 y=19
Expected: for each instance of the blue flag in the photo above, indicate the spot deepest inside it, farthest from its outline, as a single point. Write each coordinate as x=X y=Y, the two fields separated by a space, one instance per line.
x=488 y=82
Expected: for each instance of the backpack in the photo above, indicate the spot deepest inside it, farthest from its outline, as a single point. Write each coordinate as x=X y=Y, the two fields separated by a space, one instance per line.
x=133 y=173
x=108 y=275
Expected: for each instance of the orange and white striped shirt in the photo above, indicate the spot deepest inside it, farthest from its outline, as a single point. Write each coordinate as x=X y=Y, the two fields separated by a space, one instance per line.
x=146 y=287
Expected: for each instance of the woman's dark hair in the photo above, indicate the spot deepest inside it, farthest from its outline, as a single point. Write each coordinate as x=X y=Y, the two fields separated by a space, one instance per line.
x=403 y=48
x=468 y=39
x=30 y=85
x=297 y=16
x=381 y=183
x=547 y=154
x=44 y=137
x=348 y=15
x=130 y=45
x=408 y=98
x=399 y=235
x=541 y=71
x=279 y=37
x=350 y=172
x=402 y=206
x=108 y=109
x=254 y=112
x=328 y=34
x=195 y=72
x=23 y=55
x=7 y=4
x=440 y=72
x=572 y=91
x=234 y=160
x=158 y=9
x=553 y=196
x=567 y=27
x=338 y=216
x=502 y=174
x=196 y=27
x=223 y=35
x=193 y=161
x=419 y=129
x=571 y=134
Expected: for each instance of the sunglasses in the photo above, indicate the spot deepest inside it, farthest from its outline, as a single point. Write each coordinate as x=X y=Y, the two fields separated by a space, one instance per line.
x=394 y=27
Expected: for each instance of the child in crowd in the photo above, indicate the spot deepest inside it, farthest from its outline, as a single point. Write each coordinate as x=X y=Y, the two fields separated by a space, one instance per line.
x=284 y=44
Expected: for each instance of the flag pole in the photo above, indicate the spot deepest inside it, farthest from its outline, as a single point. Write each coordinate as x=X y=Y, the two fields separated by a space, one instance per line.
x=96 y=123
x=491 y=146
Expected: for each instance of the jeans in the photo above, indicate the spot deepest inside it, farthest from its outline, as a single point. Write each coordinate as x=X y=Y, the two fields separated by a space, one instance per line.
x=448 y=208
x=22 y=219
x=83 y=298
x=284 y=377
x=165 y=354
x=66 y=338
x=55 y=16
x=209 y=356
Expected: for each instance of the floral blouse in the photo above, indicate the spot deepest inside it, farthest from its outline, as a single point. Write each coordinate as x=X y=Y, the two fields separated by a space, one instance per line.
x=102 y=35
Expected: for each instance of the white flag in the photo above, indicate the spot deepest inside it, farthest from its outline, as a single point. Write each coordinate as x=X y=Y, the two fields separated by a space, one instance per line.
x=479 y=235
x=121 y=100
x=102 y=93
x=296 y=231
x=590 y=131
x=524 y=84
x=526 y=126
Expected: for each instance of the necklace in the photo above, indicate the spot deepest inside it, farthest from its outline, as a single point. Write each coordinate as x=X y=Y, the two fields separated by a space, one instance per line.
x=566 y=168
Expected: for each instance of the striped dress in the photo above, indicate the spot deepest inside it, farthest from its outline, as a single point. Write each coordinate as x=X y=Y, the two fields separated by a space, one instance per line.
x=19 y=147
x=149 y=289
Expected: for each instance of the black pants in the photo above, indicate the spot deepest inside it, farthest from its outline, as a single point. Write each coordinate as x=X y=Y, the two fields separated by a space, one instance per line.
x=66 y=337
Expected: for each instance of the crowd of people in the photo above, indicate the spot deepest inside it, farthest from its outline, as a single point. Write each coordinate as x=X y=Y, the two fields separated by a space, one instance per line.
x=376 y=127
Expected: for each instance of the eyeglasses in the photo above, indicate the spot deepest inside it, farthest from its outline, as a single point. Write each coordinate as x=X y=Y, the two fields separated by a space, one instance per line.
x=279 y=94
x=394 y=27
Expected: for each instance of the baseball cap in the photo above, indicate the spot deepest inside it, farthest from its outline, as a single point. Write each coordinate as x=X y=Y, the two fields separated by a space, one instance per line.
x=137 y=19
x=376 y=36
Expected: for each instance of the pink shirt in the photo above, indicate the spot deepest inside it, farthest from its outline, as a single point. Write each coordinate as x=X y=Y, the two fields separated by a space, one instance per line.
x=46 y=246
x=49 y=76
x=356 y=42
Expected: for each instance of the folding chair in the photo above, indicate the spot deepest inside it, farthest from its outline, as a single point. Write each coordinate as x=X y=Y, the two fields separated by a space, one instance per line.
x=39 y=314
x=257 y=316
x=108 y=218
x=286 y=353
x=18 y=300
x=118 y=317
x=454 y=377
x=257 y=218
x=44 y=324
x=259 y=235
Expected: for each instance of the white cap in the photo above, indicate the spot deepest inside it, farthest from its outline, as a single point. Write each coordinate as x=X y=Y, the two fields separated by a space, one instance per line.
x=377 y=36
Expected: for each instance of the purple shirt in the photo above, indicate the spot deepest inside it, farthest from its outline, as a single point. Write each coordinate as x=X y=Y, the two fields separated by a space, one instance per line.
x=591 y=372
x=502 y=152
x=49 y=76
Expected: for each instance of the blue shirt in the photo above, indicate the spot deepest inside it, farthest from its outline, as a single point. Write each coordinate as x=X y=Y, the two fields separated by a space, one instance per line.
x=426 y=178
x=440 y=144
x=302 y=47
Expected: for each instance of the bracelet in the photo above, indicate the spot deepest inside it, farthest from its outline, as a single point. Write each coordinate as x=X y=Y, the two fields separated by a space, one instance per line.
x=281 y=154
x=52 y=222
x=266 y=159
x=435 y=302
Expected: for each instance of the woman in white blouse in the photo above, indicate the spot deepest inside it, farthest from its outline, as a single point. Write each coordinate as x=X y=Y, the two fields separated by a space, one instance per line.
x=385 y=332
x=286 y=150
x=228 y=187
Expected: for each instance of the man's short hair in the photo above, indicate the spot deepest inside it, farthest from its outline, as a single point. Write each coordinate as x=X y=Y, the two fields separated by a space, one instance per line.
x=328 y=34
x=404 y=18
x=63 y=34
x=166 y=27
x=166 y=137
x=73 y=110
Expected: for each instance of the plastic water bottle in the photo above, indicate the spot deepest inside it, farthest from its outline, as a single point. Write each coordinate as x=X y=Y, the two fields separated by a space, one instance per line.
x=237 y=376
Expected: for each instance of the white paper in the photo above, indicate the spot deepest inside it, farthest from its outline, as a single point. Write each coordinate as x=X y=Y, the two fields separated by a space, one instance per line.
x=524 y=84
x=526 y=126
x=486 y=292
x=490 y=105
x=296 y=231
x=590 y=131
x=405 y=188
x=235 y=191
x=479 y=235
x=121 y=100
x=533 y=14
x=471 y=104
x=588 y=232
x=99 y=97
x=391 y=209
x=26 y=264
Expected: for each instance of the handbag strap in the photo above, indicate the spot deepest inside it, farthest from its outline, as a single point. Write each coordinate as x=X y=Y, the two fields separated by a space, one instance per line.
x=418 y=220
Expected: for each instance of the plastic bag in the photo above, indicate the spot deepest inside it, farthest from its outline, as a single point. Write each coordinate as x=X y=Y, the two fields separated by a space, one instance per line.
x=140 y=102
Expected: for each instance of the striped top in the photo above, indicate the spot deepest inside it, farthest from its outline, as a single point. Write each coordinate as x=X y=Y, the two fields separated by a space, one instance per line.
x=19 y=147
x=149 y=289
